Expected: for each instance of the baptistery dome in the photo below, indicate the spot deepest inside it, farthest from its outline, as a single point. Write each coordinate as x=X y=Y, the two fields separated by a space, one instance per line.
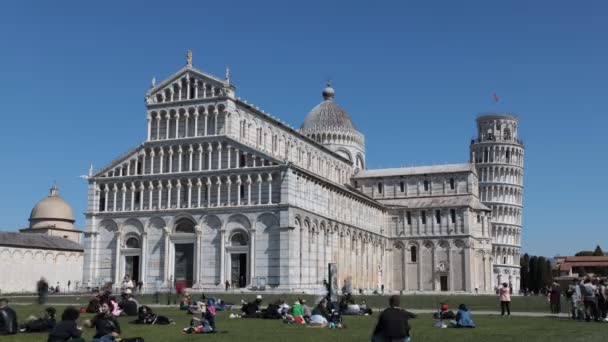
x=52 y=211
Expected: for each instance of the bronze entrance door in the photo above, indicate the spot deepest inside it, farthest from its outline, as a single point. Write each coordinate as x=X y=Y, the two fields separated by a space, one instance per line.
x=184 y=263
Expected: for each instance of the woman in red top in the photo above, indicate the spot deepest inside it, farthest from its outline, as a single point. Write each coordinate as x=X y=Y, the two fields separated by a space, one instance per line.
x=505 y=299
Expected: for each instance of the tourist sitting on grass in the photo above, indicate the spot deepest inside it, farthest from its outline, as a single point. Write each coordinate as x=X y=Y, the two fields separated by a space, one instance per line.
x=106 y=326
x=444 y=313
x=8 y=319
x=364 y=309
x=393 y=323
x=145 y=315
x=203 y=325
x=306 y=309
x=320 y=316
x=252 y=309
x=115 y=309
x=296 y=315
x=128 y=305
x=67 y=329
x=186 y=302
x=464 y=319
x=283 y=308
x=40 y=324
x=273 y=311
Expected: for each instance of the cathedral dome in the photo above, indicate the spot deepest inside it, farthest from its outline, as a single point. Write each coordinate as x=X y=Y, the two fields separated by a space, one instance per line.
x=52 y=210
x=327 y=116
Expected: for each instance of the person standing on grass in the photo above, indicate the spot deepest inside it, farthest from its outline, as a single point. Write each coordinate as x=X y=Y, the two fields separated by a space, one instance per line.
x=505 y=299
x=393 y=323
x=602 y=300
x=43 y=291
x=127 y=285
x=555 y=296
x=590 y=300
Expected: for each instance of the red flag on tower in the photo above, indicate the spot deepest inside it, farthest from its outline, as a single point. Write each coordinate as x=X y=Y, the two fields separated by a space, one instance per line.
x=495 y=97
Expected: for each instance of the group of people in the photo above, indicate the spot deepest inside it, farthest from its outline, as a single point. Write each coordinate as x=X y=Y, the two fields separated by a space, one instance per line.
x=324 y=314
x=588 y=300
x=64 y=330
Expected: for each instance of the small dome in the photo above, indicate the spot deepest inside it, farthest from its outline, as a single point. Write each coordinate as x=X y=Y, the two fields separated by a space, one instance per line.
x=52 y=208
x=327 y=116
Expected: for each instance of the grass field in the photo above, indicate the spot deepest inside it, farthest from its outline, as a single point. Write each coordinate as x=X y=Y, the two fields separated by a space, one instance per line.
x=490 y=328
x=475 y=302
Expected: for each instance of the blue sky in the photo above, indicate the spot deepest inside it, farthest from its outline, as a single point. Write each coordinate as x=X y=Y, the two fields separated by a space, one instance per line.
x=412 y=74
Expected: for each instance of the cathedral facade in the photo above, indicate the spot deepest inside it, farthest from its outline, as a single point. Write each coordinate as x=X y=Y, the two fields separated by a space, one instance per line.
x=221 y=191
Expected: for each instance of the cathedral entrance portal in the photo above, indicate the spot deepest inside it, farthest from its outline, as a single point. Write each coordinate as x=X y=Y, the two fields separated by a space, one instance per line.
x=184 y=263
x=132 y=267
x=238 y=269
x=443 y=280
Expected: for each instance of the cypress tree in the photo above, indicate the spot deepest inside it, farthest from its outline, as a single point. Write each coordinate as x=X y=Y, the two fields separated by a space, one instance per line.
x=541 y=273
x=524 y=272
x=533 y=274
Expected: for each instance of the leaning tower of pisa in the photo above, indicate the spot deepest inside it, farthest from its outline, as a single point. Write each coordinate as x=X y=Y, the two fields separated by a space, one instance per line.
x=499 y=157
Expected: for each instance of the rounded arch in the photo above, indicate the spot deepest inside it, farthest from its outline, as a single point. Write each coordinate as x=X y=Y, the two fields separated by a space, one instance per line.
x=179 y=217
x=108 y=225
x=345 y=153
x=211 y=222
x=156 y=223
x=266 y=221
x=238 y=221
x=132 y=241
x=184 y=225
x=133 y=226
x=238 y=237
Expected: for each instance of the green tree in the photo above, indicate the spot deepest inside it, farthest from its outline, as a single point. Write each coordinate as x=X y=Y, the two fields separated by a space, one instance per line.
x=541 y=274
x=598 y=251
x=532 y=274
x=524 y=262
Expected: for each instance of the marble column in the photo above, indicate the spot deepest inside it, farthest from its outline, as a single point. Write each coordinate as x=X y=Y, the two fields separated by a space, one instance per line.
x=179 y=159
x=143 y=262
x=117 y=262
x=186 y=119
x=149 y=120
x=124 y=196
x=222 y=256
x=168 y=118
x=166 y=257
x=252 y=257
x=198 y=256
x=190 y=158
x=196 y=122
x=159 y=188
x=269 y=188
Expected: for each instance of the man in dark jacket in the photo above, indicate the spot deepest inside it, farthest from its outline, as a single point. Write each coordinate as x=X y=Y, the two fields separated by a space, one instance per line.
x=128 y=305
x=393 y=323
x=8 y=319
x=67 y=329
x=105 y=324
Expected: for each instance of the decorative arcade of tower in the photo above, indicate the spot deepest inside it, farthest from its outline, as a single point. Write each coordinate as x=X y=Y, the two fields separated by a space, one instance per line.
x=499 y=158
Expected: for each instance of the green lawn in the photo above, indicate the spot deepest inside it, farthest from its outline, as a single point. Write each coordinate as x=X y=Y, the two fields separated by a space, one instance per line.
x=479 y=302
x=490 y=328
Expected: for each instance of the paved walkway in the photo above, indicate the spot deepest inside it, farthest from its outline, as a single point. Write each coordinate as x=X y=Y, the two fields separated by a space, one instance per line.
x=417 y=311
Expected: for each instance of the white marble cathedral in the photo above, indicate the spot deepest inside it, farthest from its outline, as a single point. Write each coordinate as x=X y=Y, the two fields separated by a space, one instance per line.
x=221 y=191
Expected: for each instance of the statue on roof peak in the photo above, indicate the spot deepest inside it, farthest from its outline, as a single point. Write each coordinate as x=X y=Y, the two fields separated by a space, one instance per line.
x=189 y=58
